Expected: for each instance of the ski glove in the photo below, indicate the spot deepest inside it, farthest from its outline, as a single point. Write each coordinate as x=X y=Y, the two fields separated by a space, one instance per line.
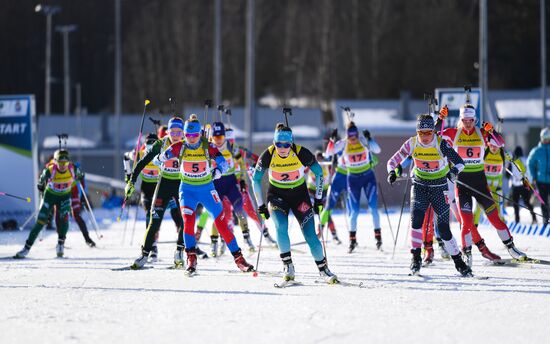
x=40 y=187
x=367 y=134
x=334 y=134
x=166 y=155
x=444 y=112
x=242 y=184
x=216 y=173
x=127 y=178
x=392 y=177
x=488 y=127
x=129 y=189
x=317 y=205
x=264 y=212
x=452 y=174
x=399 y=170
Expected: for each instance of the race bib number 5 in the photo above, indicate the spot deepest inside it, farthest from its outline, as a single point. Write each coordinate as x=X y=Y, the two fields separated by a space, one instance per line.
x=194 y=167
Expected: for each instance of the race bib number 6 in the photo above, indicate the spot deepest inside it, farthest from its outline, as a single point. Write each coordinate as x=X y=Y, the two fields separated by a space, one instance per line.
x=469 y=152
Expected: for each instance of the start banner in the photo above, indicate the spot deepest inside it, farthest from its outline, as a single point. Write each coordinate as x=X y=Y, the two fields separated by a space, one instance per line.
x=18 y=158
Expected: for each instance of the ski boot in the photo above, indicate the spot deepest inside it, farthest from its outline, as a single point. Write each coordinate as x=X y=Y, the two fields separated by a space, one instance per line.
x=153 y=255
x=468 y=258
x=442 y=251
x=90 y=242
x=214 y=246
x=378 y=237
x=191 y=262
x=352 y=242
x=60 y=248
x=325 y=273
x=248 y=240
x=428 y=253
x=513 y=251
x=336 y=239
x=485 y=252
x=139 y=262
x=416 y=261
x=200 y=253
x=179 y=262
x=461 y=265
x=222 y=248
x=23 y=253
x=242 y=264
x=270 y=241
x=288 y=272
x=288 y=267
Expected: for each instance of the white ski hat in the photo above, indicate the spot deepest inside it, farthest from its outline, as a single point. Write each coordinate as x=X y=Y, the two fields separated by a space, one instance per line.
x=467 y=112
x=545 y=134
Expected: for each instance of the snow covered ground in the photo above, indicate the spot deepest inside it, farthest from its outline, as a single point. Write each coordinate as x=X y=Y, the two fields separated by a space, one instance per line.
x=79 y=299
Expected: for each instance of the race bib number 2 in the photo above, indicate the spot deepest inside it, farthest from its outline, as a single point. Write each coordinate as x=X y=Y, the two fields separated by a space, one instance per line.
x=285 y=176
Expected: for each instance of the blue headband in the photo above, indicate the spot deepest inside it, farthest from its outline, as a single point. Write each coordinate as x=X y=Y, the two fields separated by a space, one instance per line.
x=283 y=136
x=175 y=123
x=192 y=127
x=352 y=131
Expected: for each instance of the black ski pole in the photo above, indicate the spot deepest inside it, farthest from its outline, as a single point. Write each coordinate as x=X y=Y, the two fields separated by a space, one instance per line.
x=287 y=112
x=228 y=114
x=220 y=112
x=145 y=103
x=496 y=193
x=386 y=210
x=400 y=215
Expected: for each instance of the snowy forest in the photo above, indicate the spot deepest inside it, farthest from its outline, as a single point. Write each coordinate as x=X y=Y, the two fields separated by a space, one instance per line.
x=321 y=49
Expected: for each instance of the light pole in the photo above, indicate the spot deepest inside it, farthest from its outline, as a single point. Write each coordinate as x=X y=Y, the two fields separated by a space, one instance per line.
x=217 y=52
x=48 y=11
x=543 y=59
x=250 y=100
x=65 y=30
x=118 y=86
x=483 y=68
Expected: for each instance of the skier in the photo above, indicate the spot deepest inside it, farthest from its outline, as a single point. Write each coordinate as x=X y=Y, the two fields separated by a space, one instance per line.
x=519 y=183
x=244 y=165
x=226 y=185
x=431 y=171
x=312 y=188
x=149 y=177
x=469 y=142
x=285 y=161
x=338 y=184
x=539 y=167
x=356 y=151
x=166 y=190
x=76 y=208
x=194 y=156
x=56 y=182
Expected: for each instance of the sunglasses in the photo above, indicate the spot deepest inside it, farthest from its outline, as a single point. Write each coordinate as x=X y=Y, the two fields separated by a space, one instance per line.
x=175 y=132
x=283 y=144
x=425 y=133
x=190 y=135
x=62 y=163
x=218 y=137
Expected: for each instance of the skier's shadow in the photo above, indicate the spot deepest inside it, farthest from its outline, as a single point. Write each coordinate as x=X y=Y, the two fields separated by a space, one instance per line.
x=154 y=290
